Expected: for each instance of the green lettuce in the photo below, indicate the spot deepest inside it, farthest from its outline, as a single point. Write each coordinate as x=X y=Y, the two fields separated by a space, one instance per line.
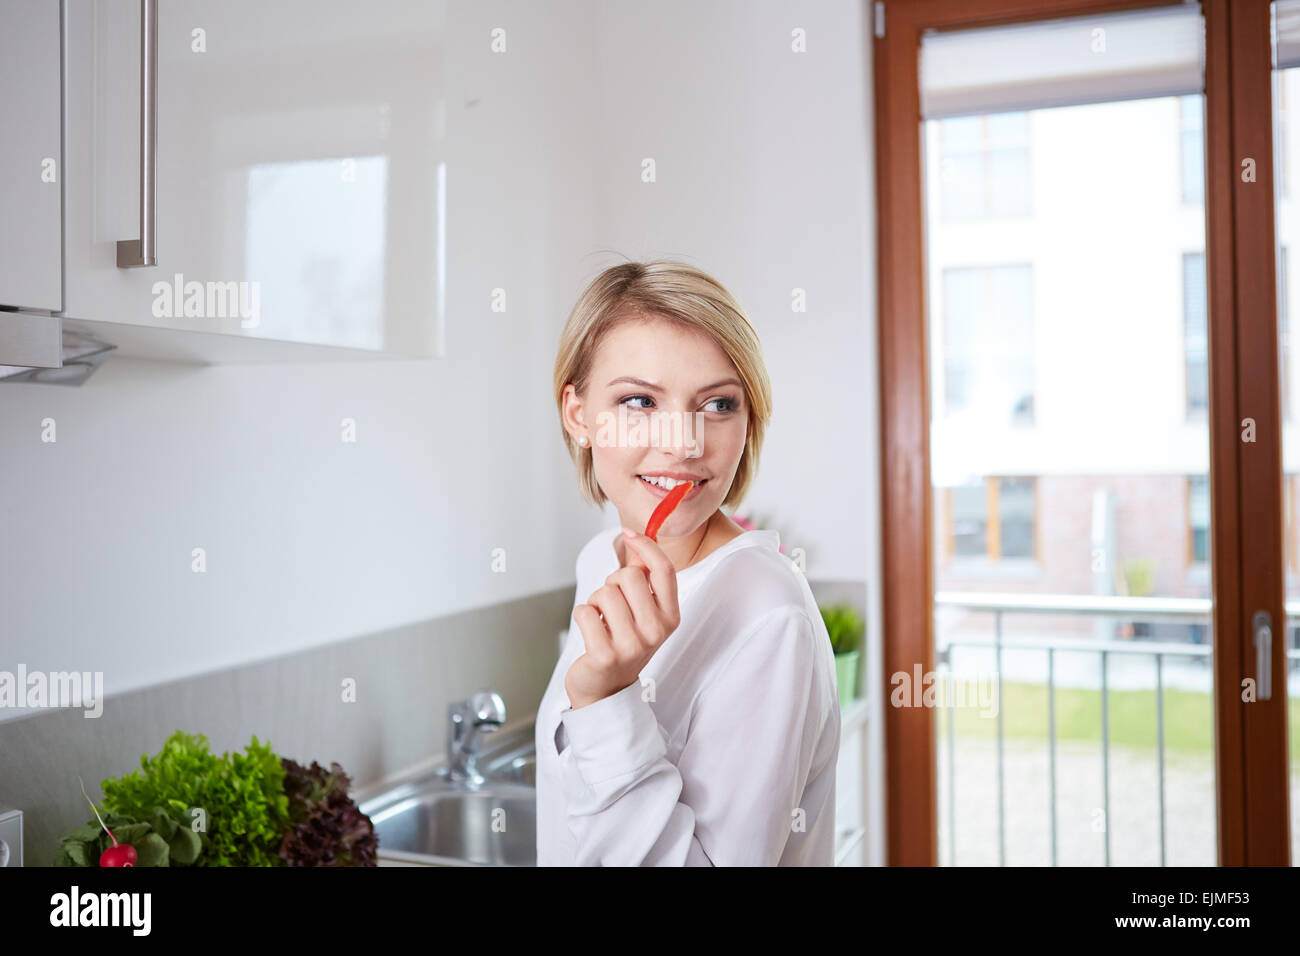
x=235 y=802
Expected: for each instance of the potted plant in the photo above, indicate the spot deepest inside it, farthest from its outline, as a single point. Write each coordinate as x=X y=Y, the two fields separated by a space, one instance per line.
x=845 y=627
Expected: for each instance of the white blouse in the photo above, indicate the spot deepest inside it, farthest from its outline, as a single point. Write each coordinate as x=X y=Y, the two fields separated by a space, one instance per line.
x=724 y=753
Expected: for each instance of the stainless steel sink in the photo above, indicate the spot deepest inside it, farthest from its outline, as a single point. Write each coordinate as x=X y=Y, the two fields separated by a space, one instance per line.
x=492 y=826
x=450 y=822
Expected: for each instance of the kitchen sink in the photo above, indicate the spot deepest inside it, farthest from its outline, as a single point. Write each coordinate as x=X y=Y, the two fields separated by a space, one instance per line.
x=492 y=826
x=514 y=766
x=434 y=820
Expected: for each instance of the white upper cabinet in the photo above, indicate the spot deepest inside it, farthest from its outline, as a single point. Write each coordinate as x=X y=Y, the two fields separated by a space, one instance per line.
x=297 y=170
x=30 y=159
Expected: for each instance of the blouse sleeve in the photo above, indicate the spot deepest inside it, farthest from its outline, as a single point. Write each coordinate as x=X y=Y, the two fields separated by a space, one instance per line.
x=747 y=757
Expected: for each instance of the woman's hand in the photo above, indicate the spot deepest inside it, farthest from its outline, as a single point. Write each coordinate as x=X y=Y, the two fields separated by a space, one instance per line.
x=639 y=605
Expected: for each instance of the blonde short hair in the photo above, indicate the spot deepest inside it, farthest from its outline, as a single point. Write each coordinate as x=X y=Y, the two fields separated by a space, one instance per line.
x=676 y=292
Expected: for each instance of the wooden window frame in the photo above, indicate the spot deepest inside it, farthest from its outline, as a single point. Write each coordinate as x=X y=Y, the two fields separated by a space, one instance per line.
x=1245 y=490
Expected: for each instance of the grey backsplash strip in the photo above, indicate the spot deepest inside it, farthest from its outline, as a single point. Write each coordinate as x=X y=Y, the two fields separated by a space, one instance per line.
x=405 y=678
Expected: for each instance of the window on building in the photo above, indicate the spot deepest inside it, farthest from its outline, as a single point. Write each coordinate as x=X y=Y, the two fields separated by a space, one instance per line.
x=968 y=520
x=984 y=167
x=1198 y=519
x=1195 y=335
x=993 y=518
x=1191 y=110
x=1016 y=517
x=988 y=347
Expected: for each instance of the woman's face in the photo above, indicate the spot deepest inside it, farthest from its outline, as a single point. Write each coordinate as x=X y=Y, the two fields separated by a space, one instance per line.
x=662 y=399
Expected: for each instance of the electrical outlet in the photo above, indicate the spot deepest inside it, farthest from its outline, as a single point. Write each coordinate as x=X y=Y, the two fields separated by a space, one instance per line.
x=11 y=837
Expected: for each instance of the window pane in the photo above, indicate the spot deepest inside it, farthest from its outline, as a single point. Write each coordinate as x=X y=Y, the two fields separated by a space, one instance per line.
x=969 y=520
x=1009 y=129
x=1008 y=159
x=989 y=342
x=1195 y=336
x=984 y=166
x=1066 y=346
x=1016 y=513
x=963 y=134
x=1013 y=329
x=1009 y=175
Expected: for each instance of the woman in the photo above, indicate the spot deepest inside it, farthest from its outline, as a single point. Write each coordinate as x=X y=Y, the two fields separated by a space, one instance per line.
x=692 y=718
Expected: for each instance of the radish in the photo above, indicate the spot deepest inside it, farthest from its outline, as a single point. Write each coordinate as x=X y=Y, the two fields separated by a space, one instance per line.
x=119 y=854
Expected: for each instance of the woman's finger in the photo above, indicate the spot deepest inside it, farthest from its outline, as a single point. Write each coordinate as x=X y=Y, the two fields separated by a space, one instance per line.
x=595 y=636
x=636 y=591
x=627 y=558
x=663 y=576
x=618 y=618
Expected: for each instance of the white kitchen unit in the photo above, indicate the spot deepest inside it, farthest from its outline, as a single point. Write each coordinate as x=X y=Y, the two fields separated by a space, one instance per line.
x=30 y=171
x=31 y=177
x=250 y=181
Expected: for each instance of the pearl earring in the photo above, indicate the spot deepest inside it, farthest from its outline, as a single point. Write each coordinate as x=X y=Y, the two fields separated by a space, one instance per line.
x=582 y=440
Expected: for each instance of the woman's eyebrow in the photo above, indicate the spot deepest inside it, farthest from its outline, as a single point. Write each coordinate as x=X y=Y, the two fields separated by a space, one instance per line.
x=655 y=388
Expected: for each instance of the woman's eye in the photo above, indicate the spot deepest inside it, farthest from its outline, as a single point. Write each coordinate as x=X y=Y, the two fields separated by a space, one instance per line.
x=728 y=404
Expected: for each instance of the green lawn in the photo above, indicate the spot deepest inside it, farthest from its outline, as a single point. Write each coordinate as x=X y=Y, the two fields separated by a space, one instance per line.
x=1132 y=716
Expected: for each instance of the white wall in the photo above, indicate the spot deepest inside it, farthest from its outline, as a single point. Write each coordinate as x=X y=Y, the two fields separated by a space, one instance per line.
x=763 y=179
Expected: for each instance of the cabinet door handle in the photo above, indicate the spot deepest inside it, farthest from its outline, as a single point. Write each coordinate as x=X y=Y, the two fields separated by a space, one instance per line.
x=141 y=252
x=1262 y=625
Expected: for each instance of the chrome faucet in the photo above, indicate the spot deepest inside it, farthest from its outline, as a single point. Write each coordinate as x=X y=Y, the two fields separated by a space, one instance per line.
x=467 y=720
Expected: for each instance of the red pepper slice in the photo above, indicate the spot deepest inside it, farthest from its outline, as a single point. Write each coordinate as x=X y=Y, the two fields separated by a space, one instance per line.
x=665 y=508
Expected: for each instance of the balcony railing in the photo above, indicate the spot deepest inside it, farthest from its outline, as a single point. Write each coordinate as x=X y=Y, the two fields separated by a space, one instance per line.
x=1182 y=610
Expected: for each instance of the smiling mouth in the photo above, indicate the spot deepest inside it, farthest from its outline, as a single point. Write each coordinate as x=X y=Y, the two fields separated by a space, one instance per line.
x=659 y=491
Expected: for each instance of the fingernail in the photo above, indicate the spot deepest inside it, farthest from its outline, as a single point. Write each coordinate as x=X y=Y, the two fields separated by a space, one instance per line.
x=629 y=533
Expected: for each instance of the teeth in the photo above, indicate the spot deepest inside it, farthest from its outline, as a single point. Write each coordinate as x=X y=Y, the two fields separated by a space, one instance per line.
x=668 y=483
